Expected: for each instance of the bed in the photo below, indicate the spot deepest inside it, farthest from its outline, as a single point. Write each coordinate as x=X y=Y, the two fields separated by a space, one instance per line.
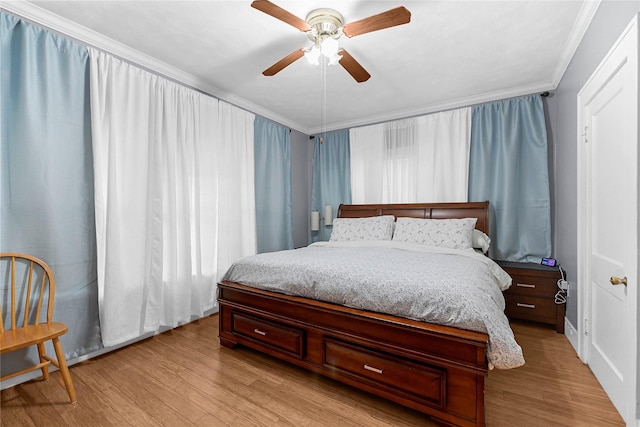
x=438 y=369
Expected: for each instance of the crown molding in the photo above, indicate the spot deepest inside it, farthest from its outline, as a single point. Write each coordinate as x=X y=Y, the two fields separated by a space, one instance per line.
x=580 y=26
x=67 y=28
x=42 y=17
x=436 y=108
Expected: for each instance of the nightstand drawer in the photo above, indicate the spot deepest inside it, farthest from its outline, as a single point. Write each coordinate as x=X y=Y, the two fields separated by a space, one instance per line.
x=533 y=286
x=531 y=308
x=274 y=335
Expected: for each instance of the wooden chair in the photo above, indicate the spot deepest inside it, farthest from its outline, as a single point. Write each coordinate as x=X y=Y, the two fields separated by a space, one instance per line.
x=36 y=287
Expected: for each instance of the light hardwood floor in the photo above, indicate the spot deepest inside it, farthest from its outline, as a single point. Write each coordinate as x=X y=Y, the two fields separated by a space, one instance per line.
x=183 y=377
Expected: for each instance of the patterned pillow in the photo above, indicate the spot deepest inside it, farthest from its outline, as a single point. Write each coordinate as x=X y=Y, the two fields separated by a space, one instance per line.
x=447 y=233
x=373 y=228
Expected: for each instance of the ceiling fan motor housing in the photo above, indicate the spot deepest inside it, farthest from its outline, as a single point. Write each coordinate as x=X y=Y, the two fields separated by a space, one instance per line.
x=324 y=23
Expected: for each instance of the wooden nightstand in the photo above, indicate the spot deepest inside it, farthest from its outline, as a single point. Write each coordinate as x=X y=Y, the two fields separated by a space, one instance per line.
x=532 y=294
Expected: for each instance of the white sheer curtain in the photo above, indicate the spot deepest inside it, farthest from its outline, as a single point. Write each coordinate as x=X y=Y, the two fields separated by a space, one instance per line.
x=422 y=159
x=173 y=193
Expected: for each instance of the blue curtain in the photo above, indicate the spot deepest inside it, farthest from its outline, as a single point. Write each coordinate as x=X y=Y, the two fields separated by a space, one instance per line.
x=46 y=178
x=509 y=167
x=274 y=211
x=331 y=179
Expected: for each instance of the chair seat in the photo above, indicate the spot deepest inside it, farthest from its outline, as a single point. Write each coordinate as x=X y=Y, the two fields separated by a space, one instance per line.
x=14 y=339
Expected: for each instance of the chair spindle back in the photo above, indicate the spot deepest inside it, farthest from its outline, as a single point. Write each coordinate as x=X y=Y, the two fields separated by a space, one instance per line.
x=39 y=286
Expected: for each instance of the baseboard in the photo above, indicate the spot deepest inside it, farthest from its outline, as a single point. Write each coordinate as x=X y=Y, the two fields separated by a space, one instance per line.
x=572 y=335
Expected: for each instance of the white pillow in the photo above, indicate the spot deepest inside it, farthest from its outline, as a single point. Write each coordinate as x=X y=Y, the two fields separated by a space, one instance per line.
x=480 y=241
x=446 y=233
x=371 y=228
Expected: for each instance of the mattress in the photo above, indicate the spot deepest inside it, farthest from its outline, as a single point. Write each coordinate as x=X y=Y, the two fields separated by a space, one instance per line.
x=458 y=288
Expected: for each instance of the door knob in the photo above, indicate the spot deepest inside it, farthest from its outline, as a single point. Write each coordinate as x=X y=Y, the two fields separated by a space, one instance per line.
x=618 y=281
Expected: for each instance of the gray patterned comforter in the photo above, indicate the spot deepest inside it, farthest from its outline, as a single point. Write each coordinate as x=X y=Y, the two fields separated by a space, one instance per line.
x=450 y=287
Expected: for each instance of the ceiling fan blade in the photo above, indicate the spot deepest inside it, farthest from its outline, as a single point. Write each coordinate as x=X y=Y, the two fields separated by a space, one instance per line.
x=279 y=13
x=353 y=67
x=390 y=18
x=284 y=62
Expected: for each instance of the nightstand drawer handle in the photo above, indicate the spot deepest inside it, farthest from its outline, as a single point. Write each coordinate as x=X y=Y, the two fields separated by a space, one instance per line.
x=520 y=304
x=372 y=369
x=259 y=332
x=525 y=285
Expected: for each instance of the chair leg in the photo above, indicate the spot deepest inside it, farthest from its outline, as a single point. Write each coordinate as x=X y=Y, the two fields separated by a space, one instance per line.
x=64 y=370
x=45 y=368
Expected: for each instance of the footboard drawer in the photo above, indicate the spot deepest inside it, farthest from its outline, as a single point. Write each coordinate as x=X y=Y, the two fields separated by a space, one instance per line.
x=416 y=381
x=271 y=334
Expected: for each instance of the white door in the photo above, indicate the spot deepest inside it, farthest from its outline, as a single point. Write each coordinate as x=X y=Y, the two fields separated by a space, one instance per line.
x=607 y=222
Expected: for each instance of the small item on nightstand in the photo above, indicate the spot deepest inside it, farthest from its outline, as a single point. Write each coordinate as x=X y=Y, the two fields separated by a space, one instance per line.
x=548 y=262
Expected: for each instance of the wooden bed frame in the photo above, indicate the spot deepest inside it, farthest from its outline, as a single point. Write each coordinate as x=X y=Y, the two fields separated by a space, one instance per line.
x=438 y=370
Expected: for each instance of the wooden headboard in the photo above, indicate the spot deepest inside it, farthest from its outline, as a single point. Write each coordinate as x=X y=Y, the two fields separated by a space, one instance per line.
x=479 y=210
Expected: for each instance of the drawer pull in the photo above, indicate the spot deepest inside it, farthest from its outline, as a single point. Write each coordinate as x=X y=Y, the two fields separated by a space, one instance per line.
x=525 y=285
x=259 y=332
x=520 y=304
x=372 y=369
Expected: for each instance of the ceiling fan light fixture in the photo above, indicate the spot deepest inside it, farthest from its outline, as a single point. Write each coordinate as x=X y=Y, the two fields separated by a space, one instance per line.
x=334 y=59
x=329 y=47
x=312 y=54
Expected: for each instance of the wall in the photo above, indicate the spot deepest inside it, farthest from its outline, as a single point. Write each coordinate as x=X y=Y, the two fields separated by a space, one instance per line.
x=301 y=161
x=610 y=20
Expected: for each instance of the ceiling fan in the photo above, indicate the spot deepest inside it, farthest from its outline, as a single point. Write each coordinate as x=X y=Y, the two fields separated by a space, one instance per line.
x=324 y=27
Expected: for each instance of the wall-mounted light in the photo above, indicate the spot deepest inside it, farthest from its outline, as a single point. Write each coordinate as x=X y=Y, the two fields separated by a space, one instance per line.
x=315 y=221
x=328 y=215
x=318 y=223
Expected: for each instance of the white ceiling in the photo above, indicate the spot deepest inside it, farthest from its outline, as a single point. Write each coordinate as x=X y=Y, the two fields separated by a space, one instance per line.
x=451 y=54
